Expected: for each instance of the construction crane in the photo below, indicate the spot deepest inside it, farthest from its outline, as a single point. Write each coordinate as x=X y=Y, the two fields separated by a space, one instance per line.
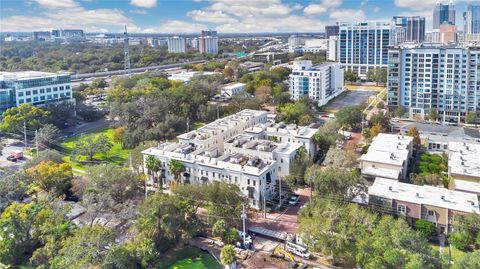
x=126 y=55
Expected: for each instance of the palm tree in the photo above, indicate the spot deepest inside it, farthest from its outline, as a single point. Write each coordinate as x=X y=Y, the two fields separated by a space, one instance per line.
x=176 y=168
x=227 y=256
x=153 y=165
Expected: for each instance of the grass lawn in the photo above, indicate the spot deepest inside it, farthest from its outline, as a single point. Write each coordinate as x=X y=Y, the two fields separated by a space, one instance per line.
x=115 y=155
x=358 y=87
x=456 y=253
x=188 y=258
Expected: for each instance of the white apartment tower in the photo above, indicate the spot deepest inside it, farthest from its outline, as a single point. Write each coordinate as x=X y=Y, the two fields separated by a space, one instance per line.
x=446 y=78
x=176 y=44
x=320 y=83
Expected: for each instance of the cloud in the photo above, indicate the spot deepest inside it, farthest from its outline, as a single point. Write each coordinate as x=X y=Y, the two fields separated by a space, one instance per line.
x=73 y=16
x=144 y=3
x=347 y=15
x=176 y=26
x=57 y=3
x=376 y=9
x=139 y=11
x=322 y=7
x=314 y=9
x=217 y=17
x=416 y=5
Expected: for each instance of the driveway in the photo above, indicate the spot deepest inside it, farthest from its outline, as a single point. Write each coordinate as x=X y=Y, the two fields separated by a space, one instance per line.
x=11 y=145
x=87 y=126
x=351 y=98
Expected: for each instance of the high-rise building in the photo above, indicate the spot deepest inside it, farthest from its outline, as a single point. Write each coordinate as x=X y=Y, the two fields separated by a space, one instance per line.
x=409 y=29
x=331 y=30
x=471 y=19
x=443 y=14
x=33 y=87
x=176 y=44
x=208 y=42
x=442 y=77
x=38 y=36
x=364 y=46
x=447 y=33
x=320 y=83
x=332 y=50
x=67 y=33
x=295 y=41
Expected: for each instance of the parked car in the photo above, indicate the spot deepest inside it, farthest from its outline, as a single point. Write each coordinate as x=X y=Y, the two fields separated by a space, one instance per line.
x=294 y=200
x=11 y=158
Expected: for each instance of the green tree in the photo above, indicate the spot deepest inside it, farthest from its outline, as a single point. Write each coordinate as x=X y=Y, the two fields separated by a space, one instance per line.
x=13 y=119
x=165 y=219
x=332 y=228
x=87 y=248
x=392 y=244
x=298 y=112
x=433 y=114
x=110 y=189
x=99 y=83
x=227 y=255
x=417 y=142
x=13 y=187
x=220 y=229
x=381 y=75
x=299 y=165
x=340 y=158
x=350 y=76
x=349 y=117
x=176 y=168
x=399 y=111
x=44 y=156
x=426 y=228
x=154 y=165
x=281 y=72
x=327 y=135
x=48 y=135
x=231 y=236
x=91 y=145
x=51 y=177
x=468 y=261
x=336 y=182
x=119 y=257
x=471 y=118
x=426 y=179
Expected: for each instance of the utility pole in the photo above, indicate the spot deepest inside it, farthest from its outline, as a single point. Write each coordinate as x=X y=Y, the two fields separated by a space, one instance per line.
x=218 y=113
x=188 y=124
x=36 y=141
x=131 y=163
x=25 y=135
x=126 y=55
x=311 y=189
x=244 y=217
x=264 y=203
x=280 y=183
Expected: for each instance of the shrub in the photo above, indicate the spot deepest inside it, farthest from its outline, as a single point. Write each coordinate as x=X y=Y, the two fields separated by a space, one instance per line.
x=425 y=227
x=461 y=240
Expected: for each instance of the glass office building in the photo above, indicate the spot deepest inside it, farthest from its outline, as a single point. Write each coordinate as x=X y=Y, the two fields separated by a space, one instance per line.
x=472 y=19
x=34 y=88
x=409 y=29
x=364 y=46
x=443 y=14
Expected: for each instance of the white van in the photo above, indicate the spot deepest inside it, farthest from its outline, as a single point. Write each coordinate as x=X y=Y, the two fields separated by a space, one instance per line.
x=298 y=250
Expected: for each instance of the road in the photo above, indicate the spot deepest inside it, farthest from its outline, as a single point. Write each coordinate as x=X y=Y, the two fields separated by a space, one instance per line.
x=76 y=77
x=87 y=126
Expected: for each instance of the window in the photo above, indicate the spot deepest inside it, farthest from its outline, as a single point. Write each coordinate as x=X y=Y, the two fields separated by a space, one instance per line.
x=248 y=182
x=20 y=101
x=401 y=209
x=430 y=213
x=20 y=94
x=28 y=93
x=35 y=92
x=55 y=89
x=49 y=90
x=42 y=90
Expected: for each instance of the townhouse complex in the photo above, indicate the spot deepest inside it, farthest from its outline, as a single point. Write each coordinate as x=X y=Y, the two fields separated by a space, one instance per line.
x=388 y=157
x=320 y=83
x=245 y=149
x=435 y=204
x=33 y=87
x=442 y=77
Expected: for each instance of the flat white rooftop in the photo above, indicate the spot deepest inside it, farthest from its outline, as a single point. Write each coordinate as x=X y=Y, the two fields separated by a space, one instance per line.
x=428 y=195
x=464 y=159
x=467 y=186
x=382 y=172
x=233 y=86
x=388 y=149
x=27 y=75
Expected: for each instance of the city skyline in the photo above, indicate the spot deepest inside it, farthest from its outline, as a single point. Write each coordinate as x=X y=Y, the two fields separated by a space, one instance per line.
x=225 y=16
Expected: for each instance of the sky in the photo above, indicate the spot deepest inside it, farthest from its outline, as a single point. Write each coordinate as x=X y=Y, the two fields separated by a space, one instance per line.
x=188 y=16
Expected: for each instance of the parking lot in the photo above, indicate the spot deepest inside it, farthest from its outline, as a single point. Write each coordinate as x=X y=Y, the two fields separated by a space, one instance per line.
x=351 y=98
x=11 y=145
